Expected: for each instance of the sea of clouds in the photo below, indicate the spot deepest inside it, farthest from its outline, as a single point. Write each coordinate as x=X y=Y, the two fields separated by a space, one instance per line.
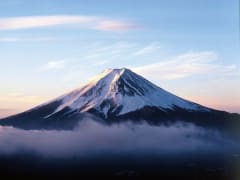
x=93 y=138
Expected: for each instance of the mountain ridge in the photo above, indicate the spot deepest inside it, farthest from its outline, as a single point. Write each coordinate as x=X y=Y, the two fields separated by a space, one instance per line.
x=113 y=95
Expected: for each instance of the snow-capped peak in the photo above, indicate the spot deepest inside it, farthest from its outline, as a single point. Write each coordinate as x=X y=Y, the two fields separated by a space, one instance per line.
x=112 y=72
x=119 y=91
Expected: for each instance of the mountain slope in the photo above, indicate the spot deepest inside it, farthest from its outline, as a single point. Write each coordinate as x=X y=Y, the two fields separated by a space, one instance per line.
x=114 y=94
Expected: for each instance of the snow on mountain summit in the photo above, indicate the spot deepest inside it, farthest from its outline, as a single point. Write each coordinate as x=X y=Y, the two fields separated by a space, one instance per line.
x=120 y=91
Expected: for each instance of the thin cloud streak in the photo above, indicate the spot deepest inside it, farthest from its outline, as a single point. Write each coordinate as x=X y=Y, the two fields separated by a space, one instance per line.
x=21 y=97
x=54 y=65
x=7 y=112
x=186 y=65
x=147 y=50
x=27 y=39
x=89 y=22
x=8 y=39
x=114 y=26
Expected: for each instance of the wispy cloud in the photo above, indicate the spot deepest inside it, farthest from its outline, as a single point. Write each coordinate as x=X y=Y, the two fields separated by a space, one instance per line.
x=18 y=97
x=186 y=65
x=89 y=22
x=108 y=51
x=40 y=38
x=114 y=26
x=54 y=65
x=28 y=39
x=16 y=102
x=100 y=63
x=7 y=112
x=147 y=50
x=8 y=39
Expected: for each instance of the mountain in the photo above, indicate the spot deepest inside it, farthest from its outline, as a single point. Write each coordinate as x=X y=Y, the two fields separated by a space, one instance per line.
x=112 y=96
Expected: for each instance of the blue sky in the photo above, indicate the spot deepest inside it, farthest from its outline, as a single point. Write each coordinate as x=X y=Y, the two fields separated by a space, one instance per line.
x=49 y=47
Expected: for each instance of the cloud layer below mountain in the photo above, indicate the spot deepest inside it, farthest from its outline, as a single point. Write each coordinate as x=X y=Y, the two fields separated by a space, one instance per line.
x=92 y=138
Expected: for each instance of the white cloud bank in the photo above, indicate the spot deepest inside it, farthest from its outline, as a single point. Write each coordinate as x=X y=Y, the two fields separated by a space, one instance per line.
x=89 y=22
x=92 y=138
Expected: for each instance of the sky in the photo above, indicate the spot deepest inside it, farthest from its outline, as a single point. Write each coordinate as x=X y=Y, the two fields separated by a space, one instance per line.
x=190 y=48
